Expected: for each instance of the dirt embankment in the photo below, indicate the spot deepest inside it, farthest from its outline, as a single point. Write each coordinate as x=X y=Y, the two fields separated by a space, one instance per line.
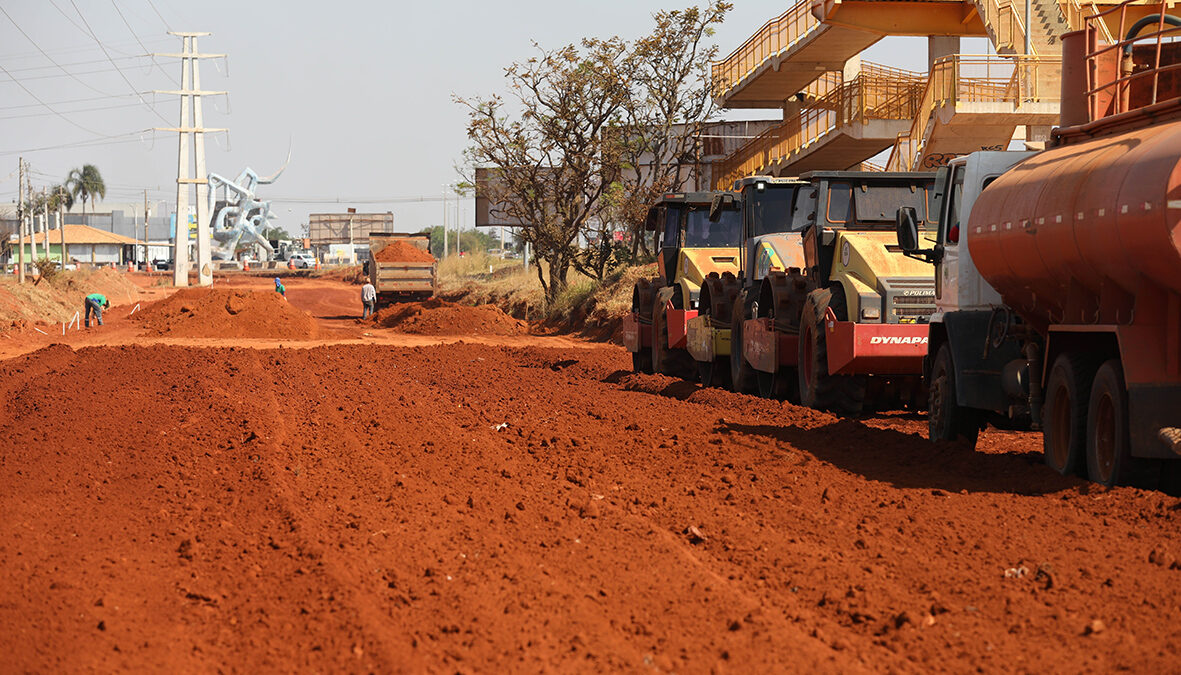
x=439 y=317
x=48 y=302
x=229 y=313
x=208 y=510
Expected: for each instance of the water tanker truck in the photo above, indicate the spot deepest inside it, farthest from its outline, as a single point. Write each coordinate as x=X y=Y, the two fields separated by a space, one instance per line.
x=1059 y=272
x=692 y=247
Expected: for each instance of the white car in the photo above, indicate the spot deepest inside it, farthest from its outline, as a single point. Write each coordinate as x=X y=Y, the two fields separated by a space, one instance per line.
x=303 y=260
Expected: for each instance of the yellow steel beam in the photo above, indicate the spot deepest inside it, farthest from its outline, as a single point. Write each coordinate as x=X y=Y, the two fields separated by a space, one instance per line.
x=937 y=17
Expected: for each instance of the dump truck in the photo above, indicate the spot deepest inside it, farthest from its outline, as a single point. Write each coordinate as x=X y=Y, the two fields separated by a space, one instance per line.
x=714 y=336
x=401 y=266
x=691 y=247
x=849 y=327
x=1059 y=294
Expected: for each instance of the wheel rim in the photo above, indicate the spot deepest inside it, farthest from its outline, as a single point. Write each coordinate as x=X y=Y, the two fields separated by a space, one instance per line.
x=1060 y=418
x=1105 y=437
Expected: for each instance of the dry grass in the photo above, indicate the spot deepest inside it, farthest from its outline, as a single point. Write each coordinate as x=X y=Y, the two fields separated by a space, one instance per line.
x=587 y=305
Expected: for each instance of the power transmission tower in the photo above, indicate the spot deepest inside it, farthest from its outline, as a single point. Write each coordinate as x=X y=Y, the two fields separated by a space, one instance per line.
x=190 y=100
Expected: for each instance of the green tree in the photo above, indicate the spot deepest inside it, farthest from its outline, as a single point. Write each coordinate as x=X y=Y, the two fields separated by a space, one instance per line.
x=86 y=184
x=276 y=233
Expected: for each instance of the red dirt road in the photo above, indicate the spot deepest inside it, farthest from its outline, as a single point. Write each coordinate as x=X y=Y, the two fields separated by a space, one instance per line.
x=476 y=508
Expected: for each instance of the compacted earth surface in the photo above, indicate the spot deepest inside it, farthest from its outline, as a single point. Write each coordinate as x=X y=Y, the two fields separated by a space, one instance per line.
x=360 y=500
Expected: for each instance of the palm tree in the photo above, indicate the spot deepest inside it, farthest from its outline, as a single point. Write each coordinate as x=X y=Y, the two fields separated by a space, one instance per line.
x=86 y=184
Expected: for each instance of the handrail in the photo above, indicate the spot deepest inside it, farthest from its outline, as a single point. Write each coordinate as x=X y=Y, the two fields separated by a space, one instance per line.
x=975 y=79
x=1006 y=23
x=866 y=97
x=775 y=36
x=1077 y=12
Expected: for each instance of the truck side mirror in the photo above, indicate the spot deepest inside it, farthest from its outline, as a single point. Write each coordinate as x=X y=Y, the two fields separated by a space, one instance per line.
x=906 y=223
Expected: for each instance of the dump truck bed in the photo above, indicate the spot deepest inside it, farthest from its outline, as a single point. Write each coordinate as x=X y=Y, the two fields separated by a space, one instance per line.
x=393 y=278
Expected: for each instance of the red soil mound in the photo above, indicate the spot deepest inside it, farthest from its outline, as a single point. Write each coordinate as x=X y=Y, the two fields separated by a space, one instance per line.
x=236 y=313
x=402 y=251
x=439 y=317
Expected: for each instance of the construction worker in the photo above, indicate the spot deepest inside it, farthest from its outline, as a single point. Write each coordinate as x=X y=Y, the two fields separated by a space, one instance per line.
x=368 y=299
x=280 y=288
x=95 y=302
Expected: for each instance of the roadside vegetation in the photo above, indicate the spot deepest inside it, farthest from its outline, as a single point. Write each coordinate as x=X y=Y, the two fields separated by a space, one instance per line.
x=589 y=306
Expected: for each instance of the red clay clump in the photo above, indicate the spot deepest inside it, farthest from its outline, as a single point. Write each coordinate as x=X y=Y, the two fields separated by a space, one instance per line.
x=403 y=251
x=234 y=313
x=439 y=317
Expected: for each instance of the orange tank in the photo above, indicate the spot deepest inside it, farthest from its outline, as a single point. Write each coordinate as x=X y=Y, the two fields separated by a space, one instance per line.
x=1074 y=233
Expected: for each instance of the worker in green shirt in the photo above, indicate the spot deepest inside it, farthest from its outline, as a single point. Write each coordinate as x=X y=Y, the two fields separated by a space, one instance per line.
x=95 y=302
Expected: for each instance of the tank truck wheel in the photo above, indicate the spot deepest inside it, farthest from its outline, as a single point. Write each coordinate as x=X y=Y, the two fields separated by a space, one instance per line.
x=1109 y=445
x=742 y=376
x=842 y=394
x=1068 y=394
x=946 y=420
x=665 y=361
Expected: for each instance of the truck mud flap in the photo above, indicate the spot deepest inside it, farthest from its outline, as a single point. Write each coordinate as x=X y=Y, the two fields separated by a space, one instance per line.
x=636 y=335
x=678 y=320
x=705 y=340
x=874 y=348
x=767 y=350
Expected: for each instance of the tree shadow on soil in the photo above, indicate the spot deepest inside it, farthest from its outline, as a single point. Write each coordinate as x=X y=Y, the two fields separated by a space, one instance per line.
x=906 y=461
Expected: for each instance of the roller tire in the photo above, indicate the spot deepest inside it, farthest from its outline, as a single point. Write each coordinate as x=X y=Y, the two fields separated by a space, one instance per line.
x=742 y=375
x=946 y=419
x=841 y=394
x=665 y=361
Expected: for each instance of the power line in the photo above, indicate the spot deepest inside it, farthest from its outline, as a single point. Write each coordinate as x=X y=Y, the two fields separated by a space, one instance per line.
x=166 y=26
x=72 y=50
x=72 y=112
x=84 y=72
x=105 y=140
x=34 y=43
x=47 y=107
x=141 y=44
x=121 y=74
x=77 y=63
x=74 y=100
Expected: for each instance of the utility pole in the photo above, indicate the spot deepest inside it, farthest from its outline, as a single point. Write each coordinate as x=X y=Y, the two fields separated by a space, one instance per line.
x=61 y=222
x=45 y=218
x=20 y=228
x=32 y=221
x=190 y=98
x=445 y=236
x=147 y=215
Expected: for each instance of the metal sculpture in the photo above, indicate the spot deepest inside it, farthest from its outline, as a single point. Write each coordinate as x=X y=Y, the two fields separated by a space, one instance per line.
x=241 y=220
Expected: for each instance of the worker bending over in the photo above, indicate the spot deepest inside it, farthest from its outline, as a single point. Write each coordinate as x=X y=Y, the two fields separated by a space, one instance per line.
x=95 y=302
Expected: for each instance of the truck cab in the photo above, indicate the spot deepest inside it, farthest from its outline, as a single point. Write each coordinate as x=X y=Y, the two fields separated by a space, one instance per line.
x=848 y=326
x=691 y=247
x=769 y=241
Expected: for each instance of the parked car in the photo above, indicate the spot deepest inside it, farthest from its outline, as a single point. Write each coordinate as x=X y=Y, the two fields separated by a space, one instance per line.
x=303 y=261
x=161 y=265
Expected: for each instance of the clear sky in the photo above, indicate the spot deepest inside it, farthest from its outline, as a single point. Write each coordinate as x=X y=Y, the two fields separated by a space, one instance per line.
x=360 y=91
